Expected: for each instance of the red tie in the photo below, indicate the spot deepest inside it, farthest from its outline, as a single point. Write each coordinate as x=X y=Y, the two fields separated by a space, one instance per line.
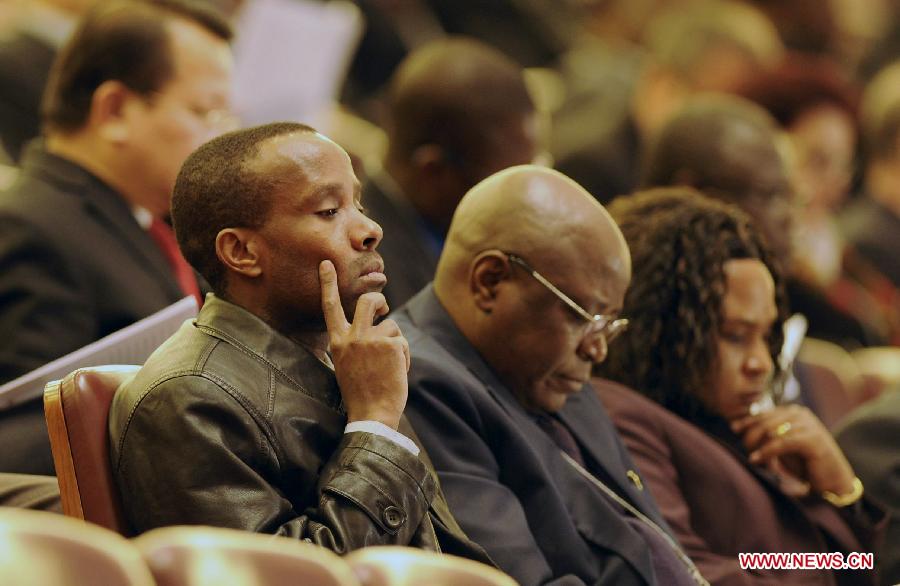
x=182 y=271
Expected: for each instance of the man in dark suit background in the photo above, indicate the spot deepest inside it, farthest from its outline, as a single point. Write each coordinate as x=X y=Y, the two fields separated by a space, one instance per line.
x=523 y=304
x=728 y=148
x=459 y=110
x=83 y=244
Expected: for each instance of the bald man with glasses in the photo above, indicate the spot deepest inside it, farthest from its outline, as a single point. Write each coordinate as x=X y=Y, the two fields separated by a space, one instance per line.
x=524 y=303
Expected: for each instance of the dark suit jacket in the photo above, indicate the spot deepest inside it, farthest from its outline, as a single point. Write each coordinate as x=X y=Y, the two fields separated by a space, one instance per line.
x=409 y=262
x=868 y=437
x=505 y=479
x=76 y=267
x=719 y=505
x=25 y=62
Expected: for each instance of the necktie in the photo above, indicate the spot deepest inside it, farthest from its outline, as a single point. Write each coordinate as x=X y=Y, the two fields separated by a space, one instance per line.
x=560 y=435
x=164 y=237
x=666 y=557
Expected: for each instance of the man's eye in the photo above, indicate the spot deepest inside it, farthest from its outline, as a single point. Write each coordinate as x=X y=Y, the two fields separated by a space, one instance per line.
x=327 y=213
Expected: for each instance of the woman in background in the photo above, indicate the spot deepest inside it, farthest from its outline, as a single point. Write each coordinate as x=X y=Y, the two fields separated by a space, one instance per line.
x=816 y=106
x=706 y=311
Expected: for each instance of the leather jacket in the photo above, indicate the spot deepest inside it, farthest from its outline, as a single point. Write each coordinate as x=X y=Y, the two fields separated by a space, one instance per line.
x=231 y=424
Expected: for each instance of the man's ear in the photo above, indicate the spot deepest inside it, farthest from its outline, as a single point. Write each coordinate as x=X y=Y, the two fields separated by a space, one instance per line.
x=429 y=159
x=108 y=110
x=489 y=270
x=435 y=166
x=239 y=249
x=684 y=176
x=441 y=180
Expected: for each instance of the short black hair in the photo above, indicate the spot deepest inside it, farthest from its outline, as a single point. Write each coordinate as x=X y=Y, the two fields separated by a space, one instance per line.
x=680 y=241
x=121 y=40
x=218 y=188
x=453 y=92
x=698 y=142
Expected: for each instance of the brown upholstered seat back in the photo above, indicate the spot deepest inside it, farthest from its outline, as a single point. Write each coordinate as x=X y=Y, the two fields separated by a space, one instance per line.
x=41 y=549
x=199 y=556
x=406 y=566
x=829 y=378
x=77 y=409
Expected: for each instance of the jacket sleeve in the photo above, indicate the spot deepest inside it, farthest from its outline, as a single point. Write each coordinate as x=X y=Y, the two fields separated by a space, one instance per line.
x=45 y=311
x=656 y=463
x=457 y=442
x=182 y=458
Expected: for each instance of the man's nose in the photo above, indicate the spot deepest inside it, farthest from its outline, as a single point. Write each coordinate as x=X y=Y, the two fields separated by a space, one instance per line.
x=365 y=233
x=593 y=348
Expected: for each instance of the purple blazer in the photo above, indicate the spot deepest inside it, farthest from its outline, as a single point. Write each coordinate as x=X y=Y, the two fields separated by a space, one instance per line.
x=719 y=505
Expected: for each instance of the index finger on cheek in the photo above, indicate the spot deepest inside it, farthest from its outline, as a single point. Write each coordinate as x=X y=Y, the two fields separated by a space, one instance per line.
x=335 y=319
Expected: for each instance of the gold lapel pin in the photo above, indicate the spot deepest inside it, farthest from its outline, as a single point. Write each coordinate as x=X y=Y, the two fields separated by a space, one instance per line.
x=635 y=479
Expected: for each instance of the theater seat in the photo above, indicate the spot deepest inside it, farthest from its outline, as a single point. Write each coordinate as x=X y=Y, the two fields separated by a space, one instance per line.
x=880 y=368
x=202 y=556
x=830 y=380
x=405 y=566
x=76 y=409
x=46 y=549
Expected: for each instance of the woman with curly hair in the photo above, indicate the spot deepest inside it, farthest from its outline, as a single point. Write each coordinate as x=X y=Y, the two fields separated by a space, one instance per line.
x=706 y=311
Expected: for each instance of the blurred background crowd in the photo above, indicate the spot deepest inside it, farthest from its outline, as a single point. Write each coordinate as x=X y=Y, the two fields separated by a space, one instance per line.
x=605 y=77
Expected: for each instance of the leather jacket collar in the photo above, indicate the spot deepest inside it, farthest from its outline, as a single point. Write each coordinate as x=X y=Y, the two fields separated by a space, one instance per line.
x=238 y=327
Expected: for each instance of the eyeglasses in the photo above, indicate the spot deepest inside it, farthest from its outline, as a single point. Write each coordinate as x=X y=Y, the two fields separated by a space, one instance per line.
x=213 y=118
x=600 y=324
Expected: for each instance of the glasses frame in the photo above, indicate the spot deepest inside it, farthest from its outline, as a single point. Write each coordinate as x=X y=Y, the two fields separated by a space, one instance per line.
x=609 y=326
x=213 y=118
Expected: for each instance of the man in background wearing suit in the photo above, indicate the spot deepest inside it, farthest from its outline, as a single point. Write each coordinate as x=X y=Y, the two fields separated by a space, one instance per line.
x=525 y=299
x=84 y=247
x=458 y=110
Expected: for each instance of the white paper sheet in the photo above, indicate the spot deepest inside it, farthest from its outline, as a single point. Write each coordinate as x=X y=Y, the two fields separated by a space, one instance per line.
x=130 y=345
x=291 y=57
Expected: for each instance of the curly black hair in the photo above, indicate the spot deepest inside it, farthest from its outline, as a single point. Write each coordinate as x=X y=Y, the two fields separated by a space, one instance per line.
x=680 y=241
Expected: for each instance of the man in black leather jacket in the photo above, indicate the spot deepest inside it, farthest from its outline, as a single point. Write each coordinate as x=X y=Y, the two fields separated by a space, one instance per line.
x=271 y=411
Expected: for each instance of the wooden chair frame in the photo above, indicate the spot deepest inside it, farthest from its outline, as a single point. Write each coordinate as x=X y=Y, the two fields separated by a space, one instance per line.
x=71 y=487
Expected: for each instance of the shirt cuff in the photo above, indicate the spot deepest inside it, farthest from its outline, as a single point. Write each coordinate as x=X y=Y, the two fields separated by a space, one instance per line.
x=384 y=431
